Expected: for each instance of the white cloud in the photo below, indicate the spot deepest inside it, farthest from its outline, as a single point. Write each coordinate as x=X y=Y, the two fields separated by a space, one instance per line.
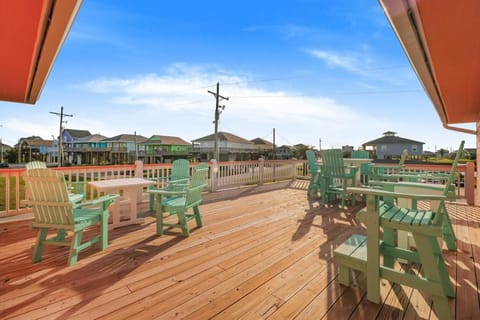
x=28 y=127
x=347 y=62
x=180 y=96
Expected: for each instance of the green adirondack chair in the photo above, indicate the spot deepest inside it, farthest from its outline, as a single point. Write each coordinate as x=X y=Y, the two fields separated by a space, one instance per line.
x=364 y=253
x=76 y=197
x=179 y=202
x=364 y=167
x=52 y=209
x=335 y=177
x=388 y=173
x=314 y=185
x=178 y=178
x=360 y=154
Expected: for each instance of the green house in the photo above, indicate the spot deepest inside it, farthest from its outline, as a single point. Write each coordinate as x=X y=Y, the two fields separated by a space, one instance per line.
x=159 y=149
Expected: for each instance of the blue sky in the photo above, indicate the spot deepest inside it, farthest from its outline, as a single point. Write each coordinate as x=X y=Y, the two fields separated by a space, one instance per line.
x=329 y=71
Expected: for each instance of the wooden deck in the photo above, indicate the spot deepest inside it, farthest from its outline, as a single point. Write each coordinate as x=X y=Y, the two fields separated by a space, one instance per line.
x=265 y=255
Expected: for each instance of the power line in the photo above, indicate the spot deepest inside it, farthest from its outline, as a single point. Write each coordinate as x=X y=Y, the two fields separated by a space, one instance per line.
x=337 y=92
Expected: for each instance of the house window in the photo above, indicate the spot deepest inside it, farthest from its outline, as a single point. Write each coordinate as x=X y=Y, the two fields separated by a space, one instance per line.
x=414 y=148
x=383 y=147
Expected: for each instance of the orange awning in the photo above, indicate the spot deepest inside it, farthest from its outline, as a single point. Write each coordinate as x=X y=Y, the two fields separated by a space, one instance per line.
x=31 y=35
x=440 y=39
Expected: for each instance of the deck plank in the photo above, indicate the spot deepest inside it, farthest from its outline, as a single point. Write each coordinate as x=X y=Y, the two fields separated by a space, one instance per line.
x=260 y=255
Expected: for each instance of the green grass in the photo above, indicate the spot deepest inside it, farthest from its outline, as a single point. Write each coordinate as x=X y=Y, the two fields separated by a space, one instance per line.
x=3 y=188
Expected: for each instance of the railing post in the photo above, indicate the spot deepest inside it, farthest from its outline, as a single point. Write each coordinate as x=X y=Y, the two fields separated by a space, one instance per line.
x=469 y=183
x=261 y=166
x=214 y=176
x=138 y=169
x=294 y=170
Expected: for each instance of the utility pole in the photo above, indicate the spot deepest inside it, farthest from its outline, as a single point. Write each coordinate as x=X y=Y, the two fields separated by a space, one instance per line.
x=218 y=98
x=274 y=146
x=136 y=147
x=60 y=142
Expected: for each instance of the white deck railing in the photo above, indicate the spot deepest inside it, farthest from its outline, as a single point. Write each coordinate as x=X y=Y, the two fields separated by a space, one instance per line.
x=222 y=175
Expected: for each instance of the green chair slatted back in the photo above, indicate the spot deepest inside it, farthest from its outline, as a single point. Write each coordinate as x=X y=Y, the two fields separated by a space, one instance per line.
x=314 y=185
x=35 y=165
x=380 y=172
x=365 y=253
x=180 y=171
x=360 y=154
x=180 y=202
x=403 y=158
x=177 y=179
x=52 y=209
x=75 y=197
x=364 y=167
x=335 y=177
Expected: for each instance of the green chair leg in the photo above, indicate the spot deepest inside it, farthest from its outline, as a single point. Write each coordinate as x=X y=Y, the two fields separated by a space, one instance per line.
x=436 y=273
x=104 y=230
x=198 y=217
x=182 y=221
x=74 y=247
x=159 y=216
x=38 y=248
x=344 y=275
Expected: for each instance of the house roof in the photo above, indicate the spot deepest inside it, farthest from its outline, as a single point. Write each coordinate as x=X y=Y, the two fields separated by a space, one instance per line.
x=390 y=140
x=261 y=141
x=31 y=35
x=224 y=136
x=440 y=41
x=76 y=134
x=166 y=140
x=36 y=142
x=291 y=148
x=92 y=138
x=126 y=138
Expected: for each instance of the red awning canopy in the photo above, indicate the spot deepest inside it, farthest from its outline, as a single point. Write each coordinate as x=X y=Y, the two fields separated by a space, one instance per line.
x=440 y=39
x=31 y=35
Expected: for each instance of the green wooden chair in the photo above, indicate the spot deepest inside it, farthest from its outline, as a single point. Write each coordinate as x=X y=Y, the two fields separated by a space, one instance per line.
x=52 y=209
x=365 y=170
x=179 y=202
x=390 y=172
x=75 y=189
x=376 y=255
x=177 y=179
x=360 y=154
x=335 y=178
x=314 y=185
x=35 y=165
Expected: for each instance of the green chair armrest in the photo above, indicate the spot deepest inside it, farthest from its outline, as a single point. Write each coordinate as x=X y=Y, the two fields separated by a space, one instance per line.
x=167 y=192
x=389 y=185
x=384 y=193
x=102 y=199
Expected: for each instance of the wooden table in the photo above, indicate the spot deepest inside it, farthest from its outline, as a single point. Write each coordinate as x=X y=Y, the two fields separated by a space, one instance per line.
x=132 y=190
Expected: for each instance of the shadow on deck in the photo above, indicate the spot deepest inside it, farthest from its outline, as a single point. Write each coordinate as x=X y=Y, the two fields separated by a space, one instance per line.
x=264 y=252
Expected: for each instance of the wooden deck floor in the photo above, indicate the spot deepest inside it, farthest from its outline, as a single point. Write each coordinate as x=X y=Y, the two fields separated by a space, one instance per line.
x=266 y=255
